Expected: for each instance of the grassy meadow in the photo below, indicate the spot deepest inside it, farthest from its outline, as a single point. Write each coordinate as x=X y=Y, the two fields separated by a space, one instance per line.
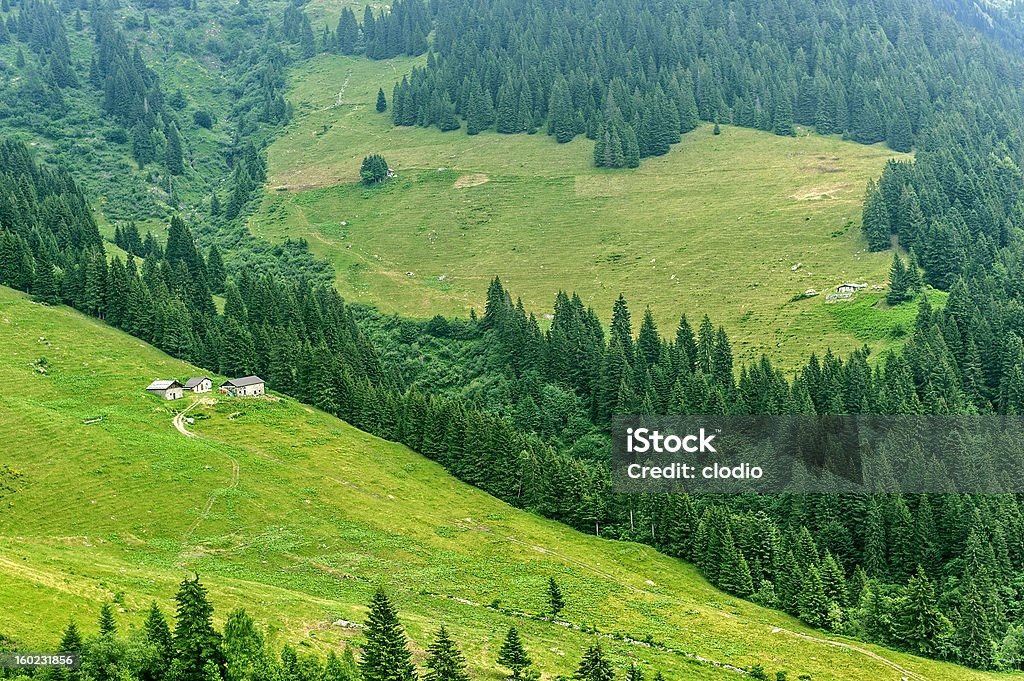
x=733 y=225
x=298 y=517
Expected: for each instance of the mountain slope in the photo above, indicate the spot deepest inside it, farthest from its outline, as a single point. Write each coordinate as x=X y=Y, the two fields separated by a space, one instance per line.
x=716 y=224
x=298 y=516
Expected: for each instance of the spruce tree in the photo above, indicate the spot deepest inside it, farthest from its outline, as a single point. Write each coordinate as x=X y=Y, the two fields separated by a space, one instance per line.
x=876 y=219
x=374 y=169
x=594 y=666
x=445 y=661
x=196 y=643
x=157 y=633
x=386 y=655
x=107 y=624
x=44 y=282
x=974 y=633
x=920 y=625
x=382 y=102
x=71 y=639
x=556 y=602
x=898 y=285
x=513 y=655
x=173 y=154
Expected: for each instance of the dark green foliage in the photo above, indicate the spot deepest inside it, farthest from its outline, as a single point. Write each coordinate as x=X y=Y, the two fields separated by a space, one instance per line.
x=903 y=281
x=197 y=645
x=386 y=655
x=876 y=219
x=374 y=169
x=203 y=119
x=445 y=661
x=920 y=625
x=107 y=625
x=382 y=102
x=173 y=154
x=513 y=655
x=70 y=640
x=556 y=601
x=594 y=666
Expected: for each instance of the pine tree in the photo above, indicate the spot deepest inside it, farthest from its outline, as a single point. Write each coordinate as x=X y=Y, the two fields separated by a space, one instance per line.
x=386 y=655
x=173 y=155
x=920 y=625
x=594 y=666
x=898 y=284
x=196 y=643
x=556 y=602
x=374 y=169
x=382 y=102
x=783 y=122
x=44 y=283
x=216 y=274
x=143 y=148
x=876 y=219
x=480 y=115
x=71 y=639
x=108 y=627
x=974 y=633
x=157 y=633
x=899 y=136
x=813 y=605
x=445 y=661
x=513 y=655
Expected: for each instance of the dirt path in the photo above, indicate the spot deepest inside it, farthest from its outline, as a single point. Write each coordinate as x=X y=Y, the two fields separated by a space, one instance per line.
x=849 y=646
x=179 y=419
x=179 y=423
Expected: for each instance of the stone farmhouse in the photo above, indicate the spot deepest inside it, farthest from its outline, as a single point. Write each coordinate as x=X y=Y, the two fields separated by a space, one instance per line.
x=169 y=390
x=200 y=384
x=248 y=386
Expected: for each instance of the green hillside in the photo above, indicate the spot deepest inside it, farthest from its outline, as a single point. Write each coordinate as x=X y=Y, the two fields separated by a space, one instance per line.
x=716 y=225
x=297 y=517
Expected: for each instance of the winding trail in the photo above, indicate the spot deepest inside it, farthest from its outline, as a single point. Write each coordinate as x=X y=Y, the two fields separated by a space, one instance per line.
x=179 y=424
x=849 y=646
x=179 y=419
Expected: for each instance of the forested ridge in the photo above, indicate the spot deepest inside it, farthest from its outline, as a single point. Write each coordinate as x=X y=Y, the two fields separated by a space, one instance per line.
x=634 y=75
x=80 y=83
x=523 y=413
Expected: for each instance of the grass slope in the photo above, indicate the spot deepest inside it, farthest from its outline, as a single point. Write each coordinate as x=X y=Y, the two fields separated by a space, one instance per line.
x=298 y=516
x=714 y=226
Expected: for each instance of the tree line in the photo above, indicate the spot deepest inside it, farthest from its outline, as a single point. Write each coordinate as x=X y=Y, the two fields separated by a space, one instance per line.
x=191 y=648
x=633 y=76
x=523 y=414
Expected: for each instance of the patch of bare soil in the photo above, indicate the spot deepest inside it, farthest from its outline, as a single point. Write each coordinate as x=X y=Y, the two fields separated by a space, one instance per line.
x=471 y=180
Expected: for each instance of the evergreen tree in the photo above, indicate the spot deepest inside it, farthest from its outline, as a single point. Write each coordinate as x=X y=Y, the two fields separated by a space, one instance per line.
x=513 y=655
x=974 y=633
x=108 y=627
x=173 y=155
x=382 y=102
x=386 y=655
x=594 y=666
x=374 y=169
x=71 y=639
x=445 y=661
x=197 y=644
x=899 y=284
x=920 y=625
x=556 y=602
x=876 y=219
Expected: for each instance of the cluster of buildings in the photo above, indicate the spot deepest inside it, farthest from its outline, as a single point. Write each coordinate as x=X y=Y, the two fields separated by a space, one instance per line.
x=247 y=386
